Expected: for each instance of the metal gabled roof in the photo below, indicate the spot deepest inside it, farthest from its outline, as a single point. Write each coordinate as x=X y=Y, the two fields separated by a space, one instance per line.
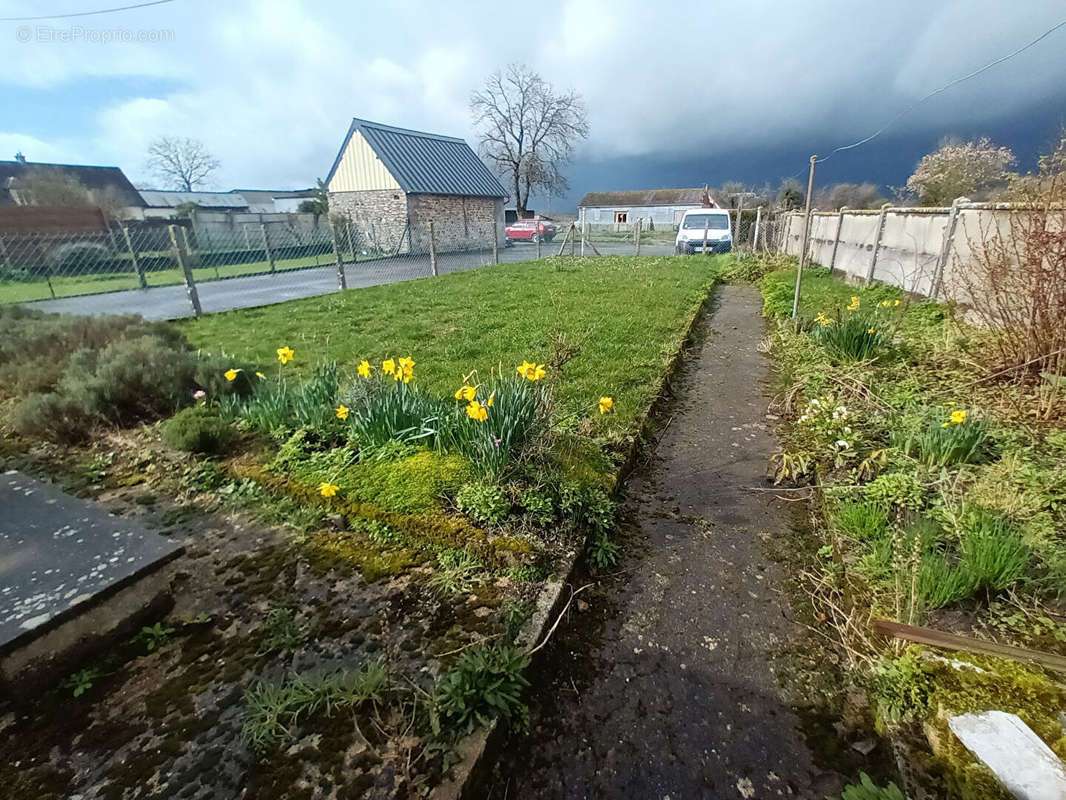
x=647 y=197
x=425 y=163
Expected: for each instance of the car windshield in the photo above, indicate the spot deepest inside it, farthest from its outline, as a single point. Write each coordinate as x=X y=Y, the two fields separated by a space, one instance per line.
x=718 y=222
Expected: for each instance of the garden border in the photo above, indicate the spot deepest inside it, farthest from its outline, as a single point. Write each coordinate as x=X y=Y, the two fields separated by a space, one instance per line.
x=479 y=751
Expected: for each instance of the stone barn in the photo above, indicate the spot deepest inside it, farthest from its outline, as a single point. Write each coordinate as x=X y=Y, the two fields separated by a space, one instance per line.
x=392 y=182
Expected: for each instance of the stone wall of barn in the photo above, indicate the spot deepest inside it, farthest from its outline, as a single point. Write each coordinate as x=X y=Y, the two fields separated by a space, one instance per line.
x=459 y=223
x=379 y=217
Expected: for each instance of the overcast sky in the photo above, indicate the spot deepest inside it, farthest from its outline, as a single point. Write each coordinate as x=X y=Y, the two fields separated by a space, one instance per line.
x=678 y=94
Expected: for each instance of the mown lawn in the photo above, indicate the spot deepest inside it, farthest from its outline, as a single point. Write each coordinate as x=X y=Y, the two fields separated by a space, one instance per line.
x=622 y=316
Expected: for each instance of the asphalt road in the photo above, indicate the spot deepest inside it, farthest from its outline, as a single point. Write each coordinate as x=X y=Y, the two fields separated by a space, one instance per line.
x=172 y=302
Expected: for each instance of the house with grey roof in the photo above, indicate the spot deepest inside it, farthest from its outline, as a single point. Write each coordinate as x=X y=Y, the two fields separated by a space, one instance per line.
x=621 y=210
x=392 y=182
x=102 y=186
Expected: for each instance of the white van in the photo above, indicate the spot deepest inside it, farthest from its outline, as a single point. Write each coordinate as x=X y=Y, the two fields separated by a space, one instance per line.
x=695 y=223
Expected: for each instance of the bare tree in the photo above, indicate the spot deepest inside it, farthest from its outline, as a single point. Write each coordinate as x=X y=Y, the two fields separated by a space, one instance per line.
x=528 y=131
x=181 y=162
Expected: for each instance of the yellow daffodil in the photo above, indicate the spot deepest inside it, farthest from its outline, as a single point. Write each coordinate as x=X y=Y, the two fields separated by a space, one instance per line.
x=886 y=303
x=342 y=412
x=466 y=392
x=327 y=489
x=388 y=366
x=363 y=368
x=477 y=411
x=606 y=404
x=944 y=424
x=958 y=417
x=870 y=330
x=854 y=303
x=897 y=302
x=261 y=376
x=822 y=319
x=407 y=367
x=492 y=399
x=231 y=374
x=531 y=371
x=286 y=354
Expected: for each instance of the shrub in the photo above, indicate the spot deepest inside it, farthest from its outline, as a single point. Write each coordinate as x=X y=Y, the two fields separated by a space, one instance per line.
x=483 y=501
x=484 y=683
x=50 y=416
x=199 y=429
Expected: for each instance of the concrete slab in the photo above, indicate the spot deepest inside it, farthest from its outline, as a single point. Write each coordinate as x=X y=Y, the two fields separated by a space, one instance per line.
x=60 y=555
x=1027 y=767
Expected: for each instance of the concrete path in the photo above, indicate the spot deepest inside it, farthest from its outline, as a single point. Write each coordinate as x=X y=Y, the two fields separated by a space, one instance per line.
x=59 y=553
x=665 y=687
x=171 y=302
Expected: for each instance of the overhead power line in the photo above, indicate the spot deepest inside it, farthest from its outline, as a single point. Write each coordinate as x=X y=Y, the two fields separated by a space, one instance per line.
x=85 y=13
x=944 y=88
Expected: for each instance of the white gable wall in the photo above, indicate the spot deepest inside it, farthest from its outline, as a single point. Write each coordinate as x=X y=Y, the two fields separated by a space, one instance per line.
x=360 y=169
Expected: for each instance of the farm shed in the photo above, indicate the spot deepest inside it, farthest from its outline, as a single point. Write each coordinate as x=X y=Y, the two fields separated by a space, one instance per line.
x=620 y=210
x=392 y=182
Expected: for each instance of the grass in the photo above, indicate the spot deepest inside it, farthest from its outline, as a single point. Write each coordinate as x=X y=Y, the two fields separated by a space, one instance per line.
x=619 y=318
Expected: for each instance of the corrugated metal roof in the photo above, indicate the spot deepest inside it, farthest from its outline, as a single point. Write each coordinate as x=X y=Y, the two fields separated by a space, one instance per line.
x=160 y=199
x=425 y=163
x=646 y=197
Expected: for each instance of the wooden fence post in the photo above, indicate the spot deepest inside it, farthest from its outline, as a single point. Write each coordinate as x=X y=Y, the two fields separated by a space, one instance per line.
x=573 y=235
x=836 y=239
x=640 y=224
x=945 y=249
x=706 y=231
x=133 y=254
x=342 y=282
x=755 y=236
x=266 y=244
x=877 y=243
x=351 y=240
x=183 y=264
x=432 y=251
x=495 y=241
x=538 y=247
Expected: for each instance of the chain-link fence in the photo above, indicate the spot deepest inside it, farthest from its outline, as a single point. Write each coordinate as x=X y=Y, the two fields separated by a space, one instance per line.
x=165 y=269
x=170 y=269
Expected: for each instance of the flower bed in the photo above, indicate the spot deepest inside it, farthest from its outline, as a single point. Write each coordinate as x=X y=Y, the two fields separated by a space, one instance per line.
x=939 y=503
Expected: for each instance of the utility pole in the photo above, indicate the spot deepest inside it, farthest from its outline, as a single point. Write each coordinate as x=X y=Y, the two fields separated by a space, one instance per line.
x=806 y=234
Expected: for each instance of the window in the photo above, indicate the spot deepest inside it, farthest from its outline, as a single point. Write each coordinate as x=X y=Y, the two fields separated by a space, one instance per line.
x=621 y=216
x=716 y=222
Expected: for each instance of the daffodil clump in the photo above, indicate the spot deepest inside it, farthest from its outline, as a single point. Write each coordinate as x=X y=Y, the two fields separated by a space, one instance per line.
x=853 y=334
x=946 y=439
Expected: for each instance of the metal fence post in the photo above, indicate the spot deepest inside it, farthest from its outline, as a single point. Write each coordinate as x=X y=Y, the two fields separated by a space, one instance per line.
x=573 y=235
x=755 y=236
x=133 y=254
x=351 y=240
x=706 y=231
x=342 y=282
x=495 y=241
x=584 y=229
x=945 y=249
x=266 y=244
x=877 y=243
x=537 y=237
x=183 y=264
x=637 y=237
x=836 y=239
x=432 y=251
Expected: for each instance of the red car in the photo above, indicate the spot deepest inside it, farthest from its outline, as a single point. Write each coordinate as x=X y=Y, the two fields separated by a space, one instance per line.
x=530 y=230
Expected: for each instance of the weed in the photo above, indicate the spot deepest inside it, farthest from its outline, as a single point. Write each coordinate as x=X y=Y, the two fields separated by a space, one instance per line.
x=993 y=553
x=273 y=710
x=902 y=687
x=866 y=521
x=602 y=552
x=82 y=681
x=538 y=505
x=514 y=615
x=526 y=573
x=484 y=683
x=866 y=789
x=455 y=573
x=152 y=637
x=483 y=501
x=281 y=633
